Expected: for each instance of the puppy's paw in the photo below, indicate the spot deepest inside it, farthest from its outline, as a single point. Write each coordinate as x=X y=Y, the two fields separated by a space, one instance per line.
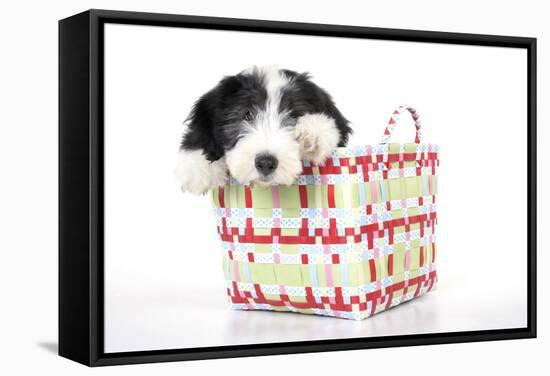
x=196 y=174
x=317 y=135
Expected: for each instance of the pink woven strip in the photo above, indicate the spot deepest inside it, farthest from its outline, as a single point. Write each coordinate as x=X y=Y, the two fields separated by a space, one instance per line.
x=407 y=260
x=374 y=192
x=236 y=270
x=275 y=196
x=328 y=275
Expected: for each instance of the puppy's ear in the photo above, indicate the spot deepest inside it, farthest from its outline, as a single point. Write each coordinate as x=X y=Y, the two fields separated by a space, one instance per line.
x=201 y=165
x=341 y=122
x=201 y=127
x=310 y=98
x=204 y=123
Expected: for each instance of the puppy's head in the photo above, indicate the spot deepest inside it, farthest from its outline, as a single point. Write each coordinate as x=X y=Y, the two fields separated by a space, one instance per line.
x=250 y=119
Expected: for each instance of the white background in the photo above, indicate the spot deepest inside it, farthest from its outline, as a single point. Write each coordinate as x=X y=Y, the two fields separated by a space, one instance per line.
x=164 y=284
x=28 y=155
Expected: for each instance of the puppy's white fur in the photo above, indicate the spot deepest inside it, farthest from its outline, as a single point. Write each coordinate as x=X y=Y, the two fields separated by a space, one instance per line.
x=267 y=135
x=314 y=137
x=317 y=135
x=196 y=174
x=279 y=142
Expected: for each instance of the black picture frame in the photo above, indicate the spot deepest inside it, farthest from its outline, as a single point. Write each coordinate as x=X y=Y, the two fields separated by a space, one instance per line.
x=81 y=284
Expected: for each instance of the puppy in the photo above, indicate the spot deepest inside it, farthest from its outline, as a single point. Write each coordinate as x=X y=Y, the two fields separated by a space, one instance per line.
x=257 y=126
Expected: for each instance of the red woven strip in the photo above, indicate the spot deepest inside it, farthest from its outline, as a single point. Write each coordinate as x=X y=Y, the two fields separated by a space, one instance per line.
x=332 y=238
x=429 y=159
x=311 y=299
x=390 y=288
x=220 y=197
x=373 y=297
x=390 y=298
x=259 y=292
x=329 y=168
x=303 y=237
x=236 y=289
x=249 y=230
x=420 y=279
x=370 y=239
x=303 y=196
x=322 y=170
x=432 y=283
x=330 y=194
x=393 y=157
x=248 y=197
x=372 y=268
x=333 y=228
x=303 y=231
x=307 y=170
x=373 y=307
x=368 y=209
x=405 y=290
x=338 y=296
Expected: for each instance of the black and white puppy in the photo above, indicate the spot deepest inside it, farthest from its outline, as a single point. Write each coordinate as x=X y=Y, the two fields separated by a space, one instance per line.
x=257 y=126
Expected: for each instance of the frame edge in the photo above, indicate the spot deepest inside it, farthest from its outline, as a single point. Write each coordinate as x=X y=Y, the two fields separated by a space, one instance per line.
x=532 y=187
x=74 y=331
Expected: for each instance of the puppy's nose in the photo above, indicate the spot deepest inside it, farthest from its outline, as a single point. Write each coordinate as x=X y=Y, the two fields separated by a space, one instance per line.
x=266 y=164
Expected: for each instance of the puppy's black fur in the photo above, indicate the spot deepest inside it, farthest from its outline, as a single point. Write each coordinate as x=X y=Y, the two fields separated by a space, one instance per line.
x=215 y=121
x=304 y=97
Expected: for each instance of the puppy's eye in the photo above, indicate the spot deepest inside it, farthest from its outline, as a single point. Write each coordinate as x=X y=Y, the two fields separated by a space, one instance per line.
x=248 y=116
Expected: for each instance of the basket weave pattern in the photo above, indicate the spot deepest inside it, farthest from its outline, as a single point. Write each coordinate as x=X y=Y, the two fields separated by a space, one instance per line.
x=350 y=238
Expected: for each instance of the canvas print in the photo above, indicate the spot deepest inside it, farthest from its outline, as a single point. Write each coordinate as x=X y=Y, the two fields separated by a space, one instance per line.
x=279 y=188
x=304 y=183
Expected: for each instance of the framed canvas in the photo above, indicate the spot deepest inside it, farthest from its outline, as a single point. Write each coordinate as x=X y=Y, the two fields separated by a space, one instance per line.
x=145 y=269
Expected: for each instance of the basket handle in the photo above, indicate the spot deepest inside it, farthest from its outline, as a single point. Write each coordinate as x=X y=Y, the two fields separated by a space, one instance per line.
x=394 y=120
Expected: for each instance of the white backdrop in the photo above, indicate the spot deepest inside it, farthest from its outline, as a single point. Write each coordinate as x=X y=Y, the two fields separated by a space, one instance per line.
x=164 y=283
x=28 y=193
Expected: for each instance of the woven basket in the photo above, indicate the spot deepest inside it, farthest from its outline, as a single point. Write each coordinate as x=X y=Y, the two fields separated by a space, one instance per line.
x=350 y=238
